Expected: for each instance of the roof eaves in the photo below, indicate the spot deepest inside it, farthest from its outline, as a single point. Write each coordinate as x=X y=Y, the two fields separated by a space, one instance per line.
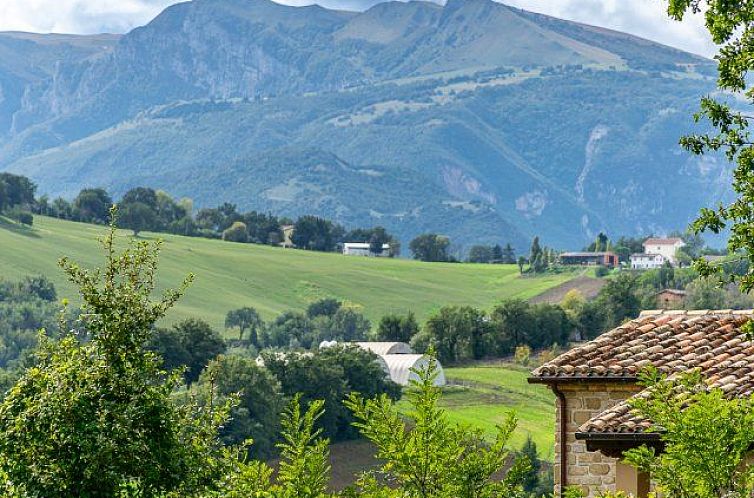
x=564 y=379
x=618 y=436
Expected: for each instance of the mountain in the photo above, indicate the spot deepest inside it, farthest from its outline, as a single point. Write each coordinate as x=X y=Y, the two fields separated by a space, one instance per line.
x=473 y=119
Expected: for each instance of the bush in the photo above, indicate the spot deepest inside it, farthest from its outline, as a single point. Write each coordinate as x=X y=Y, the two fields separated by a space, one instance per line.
x=601 y=271
x=21 y=215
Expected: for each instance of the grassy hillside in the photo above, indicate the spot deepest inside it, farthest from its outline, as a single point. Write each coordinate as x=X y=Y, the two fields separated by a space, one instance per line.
x=272 y=280
x=479 y=395
x=483 y=395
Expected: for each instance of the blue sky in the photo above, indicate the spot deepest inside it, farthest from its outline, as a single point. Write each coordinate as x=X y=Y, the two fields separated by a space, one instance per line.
x=640 y=17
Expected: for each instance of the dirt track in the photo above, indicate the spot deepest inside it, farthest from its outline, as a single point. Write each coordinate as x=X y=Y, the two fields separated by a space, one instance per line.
x=588 y=286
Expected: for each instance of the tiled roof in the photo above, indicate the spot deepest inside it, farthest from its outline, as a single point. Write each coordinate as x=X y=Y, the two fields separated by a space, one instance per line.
x=733 y=373
x=677 y=292
x=662 y=241
x=673 y=341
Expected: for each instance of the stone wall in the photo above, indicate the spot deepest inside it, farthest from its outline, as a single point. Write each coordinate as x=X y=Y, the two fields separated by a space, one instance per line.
x=592 y=471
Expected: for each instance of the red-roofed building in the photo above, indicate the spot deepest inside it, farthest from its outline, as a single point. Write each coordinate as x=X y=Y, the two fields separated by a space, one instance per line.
x=665 y=247
x=594 y=381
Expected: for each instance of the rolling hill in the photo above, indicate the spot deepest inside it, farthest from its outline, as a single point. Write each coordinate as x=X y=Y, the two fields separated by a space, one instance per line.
x=271 y=279
x=473 y=119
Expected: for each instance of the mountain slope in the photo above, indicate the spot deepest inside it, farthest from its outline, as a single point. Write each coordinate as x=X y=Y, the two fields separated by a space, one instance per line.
x=475 y=119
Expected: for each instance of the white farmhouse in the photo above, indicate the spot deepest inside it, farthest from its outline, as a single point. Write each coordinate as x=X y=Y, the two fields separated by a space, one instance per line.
x=362 y=249
x=646 y=261
x=666 y=248
x=657 y=252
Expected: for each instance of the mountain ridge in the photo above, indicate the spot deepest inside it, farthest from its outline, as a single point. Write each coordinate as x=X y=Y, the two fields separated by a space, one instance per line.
x=491 y=123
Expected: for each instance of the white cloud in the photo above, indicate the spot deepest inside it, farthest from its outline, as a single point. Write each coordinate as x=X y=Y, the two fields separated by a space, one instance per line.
x=77 y=16
x=644 y=18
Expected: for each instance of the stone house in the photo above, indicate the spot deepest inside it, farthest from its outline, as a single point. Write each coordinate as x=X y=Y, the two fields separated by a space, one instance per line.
x=670 y=298
x=592 y=383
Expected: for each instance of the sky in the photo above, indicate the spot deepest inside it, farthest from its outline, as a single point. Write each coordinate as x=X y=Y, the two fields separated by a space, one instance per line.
x=645 y=18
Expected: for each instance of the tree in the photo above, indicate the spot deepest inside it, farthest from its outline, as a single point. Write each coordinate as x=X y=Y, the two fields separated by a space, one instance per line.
x=430 y=247
x=535 y=252
x=96 y=419
x=92 y=205
x=730 y=25
x=396 y=328
x=237 y=232
x=601 y=243
x=326 y=306
x=459 y=333
x=142 y=195
x=289 y=330
x=38 y=286
x=314 y=377
x=426 y=456
x=256 y=415
x=521 y=262
x=316 y=234
x=169 y=346
x=245 y=318
x=531 y=478
x=202 y=343
x=378 y=239
x=480 y=254
x=137 y=216
x=497 y=253
x=618 y=299
x=347 y=325
x=16 y=191
x=704 y=294
x=508 y=255
x=512 y=323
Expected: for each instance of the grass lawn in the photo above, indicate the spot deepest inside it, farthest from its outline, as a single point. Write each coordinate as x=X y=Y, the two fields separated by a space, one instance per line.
x=230 y=275
x=482 y=395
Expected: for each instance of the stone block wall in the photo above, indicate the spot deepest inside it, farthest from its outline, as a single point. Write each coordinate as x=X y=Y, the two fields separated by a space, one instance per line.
x=591 y=471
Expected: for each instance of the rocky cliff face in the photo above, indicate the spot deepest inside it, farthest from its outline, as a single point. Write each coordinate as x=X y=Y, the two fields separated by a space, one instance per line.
x=509 y=123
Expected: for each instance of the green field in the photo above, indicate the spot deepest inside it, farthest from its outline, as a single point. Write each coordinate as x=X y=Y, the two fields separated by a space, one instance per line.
x=480 y=395
x=483 y=395
x=271 y=279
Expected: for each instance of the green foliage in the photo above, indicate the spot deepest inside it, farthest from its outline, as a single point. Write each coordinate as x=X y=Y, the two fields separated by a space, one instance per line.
x=459 y=333
x=16 y=192
x=331 y=374
x=246 y=319
x=202 y=342
x=92 y=205
x=531 y=478
x=396 y=328
x=430 y=247
x=137 y=216
x=260 y=400
x=20 y=215
x=480 y=254
x=427 y=456
x=730 y=27
x=706 y=438
x=304 y=468
x=94 y=419
x=327 y=306
x=237 y=232
x=618 y=300
x=316 y=234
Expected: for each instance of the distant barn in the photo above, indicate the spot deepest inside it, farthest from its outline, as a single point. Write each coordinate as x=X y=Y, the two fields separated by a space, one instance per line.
x=400 y=368
x=383 y=348
x=609 y=259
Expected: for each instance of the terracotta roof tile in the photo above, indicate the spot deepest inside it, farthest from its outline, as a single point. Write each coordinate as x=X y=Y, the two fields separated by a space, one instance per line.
x=673 y=341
